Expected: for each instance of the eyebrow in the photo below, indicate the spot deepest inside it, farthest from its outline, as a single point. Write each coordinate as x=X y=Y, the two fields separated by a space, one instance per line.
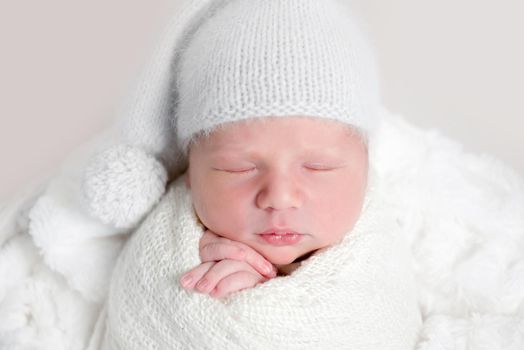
x=309 y=152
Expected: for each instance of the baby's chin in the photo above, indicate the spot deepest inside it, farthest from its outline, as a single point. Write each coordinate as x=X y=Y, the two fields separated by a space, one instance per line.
x=281 y=257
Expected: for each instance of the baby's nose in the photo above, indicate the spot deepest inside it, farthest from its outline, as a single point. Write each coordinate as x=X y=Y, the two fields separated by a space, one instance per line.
x=280 y=192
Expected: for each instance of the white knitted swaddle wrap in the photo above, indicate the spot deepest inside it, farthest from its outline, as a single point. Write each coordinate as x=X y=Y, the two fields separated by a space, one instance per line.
x=358 y=294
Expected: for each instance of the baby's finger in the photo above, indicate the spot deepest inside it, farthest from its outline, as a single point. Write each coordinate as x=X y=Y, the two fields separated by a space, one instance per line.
x=211 y=237
x=190 y=278
x=221 y=251
x=235 y=282
x=218 y=272
x=215 y=248
x=259 y=263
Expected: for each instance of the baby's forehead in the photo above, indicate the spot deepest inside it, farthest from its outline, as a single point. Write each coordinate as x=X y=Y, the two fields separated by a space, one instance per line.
x=268 y=126
x=301 y=133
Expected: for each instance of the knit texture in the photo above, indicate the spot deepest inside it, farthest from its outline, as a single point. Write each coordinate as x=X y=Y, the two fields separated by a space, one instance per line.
x=123 y=183
x=358 y=294
x=223 y=61
x=259 y=58
x=461 y=214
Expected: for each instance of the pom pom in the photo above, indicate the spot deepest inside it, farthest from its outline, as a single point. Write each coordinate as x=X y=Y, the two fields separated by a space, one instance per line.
x=122 y=184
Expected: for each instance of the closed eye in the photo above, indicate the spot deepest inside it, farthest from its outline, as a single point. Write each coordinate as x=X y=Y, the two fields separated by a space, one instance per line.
x=323 y=166
x=319 y=167
x=236 y=171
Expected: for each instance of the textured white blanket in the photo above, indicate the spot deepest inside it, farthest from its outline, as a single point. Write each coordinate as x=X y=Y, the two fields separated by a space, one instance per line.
x=359 y=294
x=461 y=214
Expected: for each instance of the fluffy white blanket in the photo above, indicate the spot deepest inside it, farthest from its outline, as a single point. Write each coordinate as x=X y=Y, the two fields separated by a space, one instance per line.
x=358 y=294
x=461 y=216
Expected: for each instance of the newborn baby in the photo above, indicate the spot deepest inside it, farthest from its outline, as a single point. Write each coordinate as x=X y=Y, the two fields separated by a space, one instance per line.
x=276 y=103
x=272 y=204
x=276 y=192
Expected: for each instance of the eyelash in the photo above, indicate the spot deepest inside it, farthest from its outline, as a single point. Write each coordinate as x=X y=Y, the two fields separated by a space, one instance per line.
x=247 y=171
x=319 y=168
x=237 y=171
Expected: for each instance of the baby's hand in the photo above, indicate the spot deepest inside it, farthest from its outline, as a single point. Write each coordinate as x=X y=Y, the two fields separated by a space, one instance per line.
x=227 y=266
x=215 y=248
x=221 y=278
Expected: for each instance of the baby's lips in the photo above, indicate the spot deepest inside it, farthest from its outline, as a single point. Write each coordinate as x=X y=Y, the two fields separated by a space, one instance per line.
x=284 y=230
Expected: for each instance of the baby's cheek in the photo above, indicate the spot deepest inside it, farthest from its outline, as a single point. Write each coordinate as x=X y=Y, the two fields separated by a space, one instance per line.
x=337 y=214
x=224 y=218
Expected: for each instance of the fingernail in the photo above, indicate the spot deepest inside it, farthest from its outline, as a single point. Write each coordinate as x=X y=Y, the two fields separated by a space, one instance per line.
x=273 y=272
x=186 y=280
x=202 y=284
x=268 y=268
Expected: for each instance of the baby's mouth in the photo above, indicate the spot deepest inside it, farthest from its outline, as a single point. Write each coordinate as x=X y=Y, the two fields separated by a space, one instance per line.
x=279 y=231
x=281 y=237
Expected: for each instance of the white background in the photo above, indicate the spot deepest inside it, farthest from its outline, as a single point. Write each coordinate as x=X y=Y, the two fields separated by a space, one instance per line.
x=456 y=65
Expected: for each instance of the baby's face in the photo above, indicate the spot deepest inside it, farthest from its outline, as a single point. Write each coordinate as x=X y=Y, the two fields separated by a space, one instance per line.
x=283 y=186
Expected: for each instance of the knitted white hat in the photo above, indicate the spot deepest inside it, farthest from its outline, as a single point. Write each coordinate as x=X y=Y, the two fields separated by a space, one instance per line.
x=276 y=58
x=224 y=61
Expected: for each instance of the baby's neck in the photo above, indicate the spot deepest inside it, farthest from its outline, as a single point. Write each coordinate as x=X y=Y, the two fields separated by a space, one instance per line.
x=285 y=270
